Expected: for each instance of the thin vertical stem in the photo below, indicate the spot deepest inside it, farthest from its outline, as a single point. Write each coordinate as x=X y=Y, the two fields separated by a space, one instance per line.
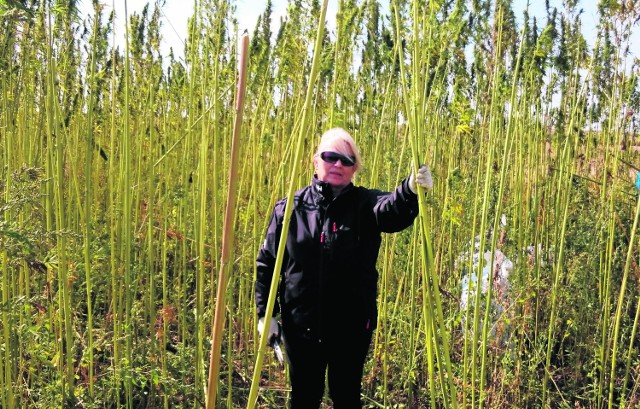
x=228 y=233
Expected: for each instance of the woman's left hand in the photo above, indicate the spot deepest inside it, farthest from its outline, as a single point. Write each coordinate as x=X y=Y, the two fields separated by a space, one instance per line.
x=423 y=178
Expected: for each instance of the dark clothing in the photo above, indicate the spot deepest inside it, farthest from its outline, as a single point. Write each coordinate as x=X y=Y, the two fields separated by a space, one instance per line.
x=340 y=355
x=329 y=271
x=329 y=277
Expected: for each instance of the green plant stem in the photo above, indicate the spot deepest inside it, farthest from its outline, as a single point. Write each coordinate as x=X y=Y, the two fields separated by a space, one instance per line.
x=618 y=314
x=228 y=235
x=253 y=394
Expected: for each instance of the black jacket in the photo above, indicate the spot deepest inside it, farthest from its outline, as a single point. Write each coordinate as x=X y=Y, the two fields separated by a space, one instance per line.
x=329 y=277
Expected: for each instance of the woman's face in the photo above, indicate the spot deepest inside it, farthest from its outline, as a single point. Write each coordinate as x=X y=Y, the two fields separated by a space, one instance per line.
x=332 y=167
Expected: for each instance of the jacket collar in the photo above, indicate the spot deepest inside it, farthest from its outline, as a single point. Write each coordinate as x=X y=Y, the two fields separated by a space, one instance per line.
x=322 y=191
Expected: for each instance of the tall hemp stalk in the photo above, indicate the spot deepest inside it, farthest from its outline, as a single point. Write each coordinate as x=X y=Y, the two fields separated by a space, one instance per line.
x=506 y=156
x=618 y=316
x=112 y=182
x=126 y=249
x=616 y=338
x=437 y=333
x=564 y=188
x=88 y=196
x=57 y=139
x=228 y=233
x=6 y=372
x=275 y=280
x=7 y=398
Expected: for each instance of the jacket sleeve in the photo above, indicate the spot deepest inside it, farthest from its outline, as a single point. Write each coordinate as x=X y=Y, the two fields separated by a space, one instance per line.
x=266 y=259
x=396 y=210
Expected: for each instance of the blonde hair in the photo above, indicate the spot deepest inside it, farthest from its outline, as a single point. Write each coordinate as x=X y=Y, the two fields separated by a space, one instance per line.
x=341 y=142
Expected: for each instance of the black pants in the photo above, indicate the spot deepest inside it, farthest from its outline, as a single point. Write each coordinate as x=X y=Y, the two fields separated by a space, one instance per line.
x=341 y=355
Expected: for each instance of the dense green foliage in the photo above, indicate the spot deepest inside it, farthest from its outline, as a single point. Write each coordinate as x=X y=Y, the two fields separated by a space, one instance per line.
x=113 y=174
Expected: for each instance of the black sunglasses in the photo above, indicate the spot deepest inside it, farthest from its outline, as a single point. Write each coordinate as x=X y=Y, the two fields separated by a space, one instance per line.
x=333 y=157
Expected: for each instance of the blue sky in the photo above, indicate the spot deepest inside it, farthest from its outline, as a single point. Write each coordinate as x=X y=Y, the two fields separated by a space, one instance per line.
x=176 y=13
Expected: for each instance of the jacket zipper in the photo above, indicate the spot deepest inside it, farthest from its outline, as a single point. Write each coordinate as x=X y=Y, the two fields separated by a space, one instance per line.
x=323 y=238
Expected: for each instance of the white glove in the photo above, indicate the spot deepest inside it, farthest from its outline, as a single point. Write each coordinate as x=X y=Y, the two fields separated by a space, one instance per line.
x=274 y=329
x=423 y=178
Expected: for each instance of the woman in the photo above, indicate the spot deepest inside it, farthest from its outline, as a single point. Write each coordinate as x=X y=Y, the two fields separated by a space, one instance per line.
x=327 y=294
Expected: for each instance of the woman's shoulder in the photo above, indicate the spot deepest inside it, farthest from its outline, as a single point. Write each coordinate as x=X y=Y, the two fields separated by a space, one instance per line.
x=300 y=195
